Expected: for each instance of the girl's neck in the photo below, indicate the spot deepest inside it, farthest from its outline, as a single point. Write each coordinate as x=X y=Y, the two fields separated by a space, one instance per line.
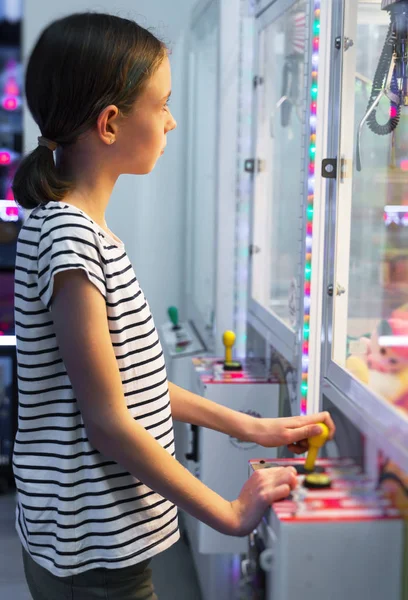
x=92 y=184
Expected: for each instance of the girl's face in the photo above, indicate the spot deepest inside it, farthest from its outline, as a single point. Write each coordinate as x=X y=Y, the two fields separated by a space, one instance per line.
x=141 y=137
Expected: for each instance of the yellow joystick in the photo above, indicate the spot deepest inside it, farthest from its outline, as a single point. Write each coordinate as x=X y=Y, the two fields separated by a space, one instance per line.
x=228 y=339
x=316 y=442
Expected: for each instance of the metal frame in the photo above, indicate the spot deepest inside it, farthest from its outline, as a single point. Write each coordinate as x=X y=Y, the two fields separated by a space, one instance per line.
x=376 y=418
x=285 y=340
x=323 y=125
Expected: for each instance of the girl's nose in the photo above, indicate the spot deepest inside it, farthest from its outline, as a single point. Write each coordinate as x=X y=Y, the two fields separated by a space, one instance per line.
x=172 y=124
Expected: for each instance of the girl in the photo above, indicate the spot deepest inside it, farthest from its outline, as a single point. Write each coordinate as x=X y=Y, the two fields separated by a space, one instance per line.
x=94 y=464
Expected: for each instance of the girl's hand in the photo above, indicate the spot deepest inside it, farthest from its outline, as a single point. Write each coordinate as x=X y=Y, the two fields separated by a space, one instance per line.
x=262 y=488
x=293 y=432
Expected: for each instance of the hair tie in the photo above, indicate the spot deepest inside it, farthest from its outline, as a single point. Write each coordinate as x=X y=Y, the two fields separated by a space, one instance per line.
x=43 y=141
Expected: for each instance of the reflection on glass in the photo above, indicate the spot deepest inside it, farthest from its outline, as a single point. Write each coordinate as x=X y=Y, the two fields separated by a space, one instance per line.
x=205 y=56
x=375 y=304
x=279 y=181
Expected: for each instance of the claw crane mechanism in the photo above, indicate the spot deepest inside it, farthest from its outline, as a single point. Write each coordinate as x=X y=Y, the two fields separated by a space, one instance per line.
x=292 y=75
x=391 y=76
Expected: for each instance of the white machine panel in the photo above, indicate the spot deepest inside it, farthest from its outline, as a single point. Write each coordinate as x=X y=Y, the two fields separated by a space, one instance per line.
x=179 y=346
x=333 y=543
x=219 y=460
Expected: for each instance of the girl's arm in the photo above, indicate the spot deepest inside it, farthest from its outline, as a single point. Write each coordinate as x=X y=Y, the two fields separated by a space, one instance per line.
x=81 y=326
x=191 y=408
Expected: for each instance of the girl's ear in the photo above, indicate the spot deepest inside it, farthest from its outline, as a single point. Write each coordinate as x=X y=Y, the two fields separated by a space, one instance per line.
x=107 y=124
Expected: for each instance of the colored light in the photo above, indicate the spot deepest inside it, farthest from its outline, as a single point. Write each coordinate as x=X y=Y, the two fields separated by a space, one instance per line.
x=393 y=111
x=10 y=103
x=11 y=88
x=5 y=158
x=309 y=209
x=12 y=211
x=404 y=165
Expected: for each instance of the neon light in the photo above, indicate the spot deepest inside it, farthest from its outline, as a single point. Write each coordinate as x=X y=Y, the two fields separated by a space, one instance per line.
x=10 y=103
x=11 y=88
x=314 y=88
x=7 y=340
x=5 y=158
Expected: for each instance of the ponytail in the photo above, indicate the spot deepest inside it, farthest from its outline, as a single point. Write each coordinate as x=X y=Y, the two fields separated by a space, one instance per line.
x=37 y=181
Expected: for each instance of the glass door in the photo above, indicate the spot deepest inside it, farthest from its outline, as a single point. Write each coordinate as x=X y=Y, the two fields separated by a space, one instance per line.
x=368 y=358
x=279 y=174
x=203 y=160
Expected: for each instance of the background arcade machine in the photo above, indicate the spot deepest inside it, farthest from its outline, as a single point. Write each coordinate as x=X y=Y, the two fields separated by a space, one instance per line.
x=217 y=200
x=11 y=218
x=341 y=532
x=180 y=343
x=221 y=461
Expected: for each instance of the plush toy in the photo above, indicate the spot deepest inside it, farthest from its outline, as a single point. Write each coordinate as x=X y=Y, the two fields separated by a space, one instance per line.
x=381 y=366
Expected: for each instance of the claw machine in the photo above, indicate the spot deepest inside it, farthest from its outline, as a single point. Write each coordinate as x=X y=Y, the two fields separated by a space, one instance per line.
x=365 y=358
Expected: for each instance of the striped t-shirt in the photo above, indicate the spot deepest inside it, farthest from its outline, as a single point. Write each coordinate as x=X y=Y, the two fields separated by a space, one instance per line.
x=76 y=509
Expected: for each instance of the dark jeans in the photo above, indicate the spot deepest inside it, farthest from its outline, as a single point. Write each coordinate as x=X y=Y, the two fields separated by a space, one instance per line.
x=130 y=583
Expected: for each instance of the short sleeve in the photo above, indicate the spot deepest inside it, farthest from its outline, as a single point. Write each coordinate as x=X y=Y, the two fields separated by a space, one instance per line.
x=68 y=241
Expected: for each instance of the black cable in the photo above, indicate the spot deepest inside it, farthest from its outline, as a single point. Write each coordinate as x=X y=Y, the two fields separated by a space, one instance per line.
x=378 y=84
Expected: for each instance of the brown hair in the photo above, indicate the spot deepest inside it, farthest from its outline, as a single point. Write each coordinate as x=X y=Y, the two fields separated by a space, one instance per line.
x=80 y=64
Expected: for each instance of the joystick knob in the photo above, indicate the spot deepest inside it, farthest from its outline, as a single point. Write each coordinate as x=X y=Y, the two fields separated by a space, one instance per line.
x=315 y=443
x=228 y=339
x=174 y=317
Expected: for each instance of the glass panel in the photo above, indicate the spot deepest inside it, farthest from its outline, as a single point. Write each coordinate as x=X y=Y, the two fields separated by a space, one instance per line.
x=279 y=172
x=371 y=288
x=205 y=51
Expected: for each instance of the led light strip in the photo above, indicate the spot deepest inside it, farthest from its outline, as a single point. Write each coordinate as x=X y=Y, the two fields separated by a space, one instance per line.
x=310 y=206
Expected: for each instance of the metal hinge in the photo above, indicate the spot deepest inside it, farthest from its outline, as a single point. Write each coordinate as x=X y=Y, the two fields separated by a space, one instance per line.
x=251 y=163
x=257 y=80
x=329 y=168
x=253 y=249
